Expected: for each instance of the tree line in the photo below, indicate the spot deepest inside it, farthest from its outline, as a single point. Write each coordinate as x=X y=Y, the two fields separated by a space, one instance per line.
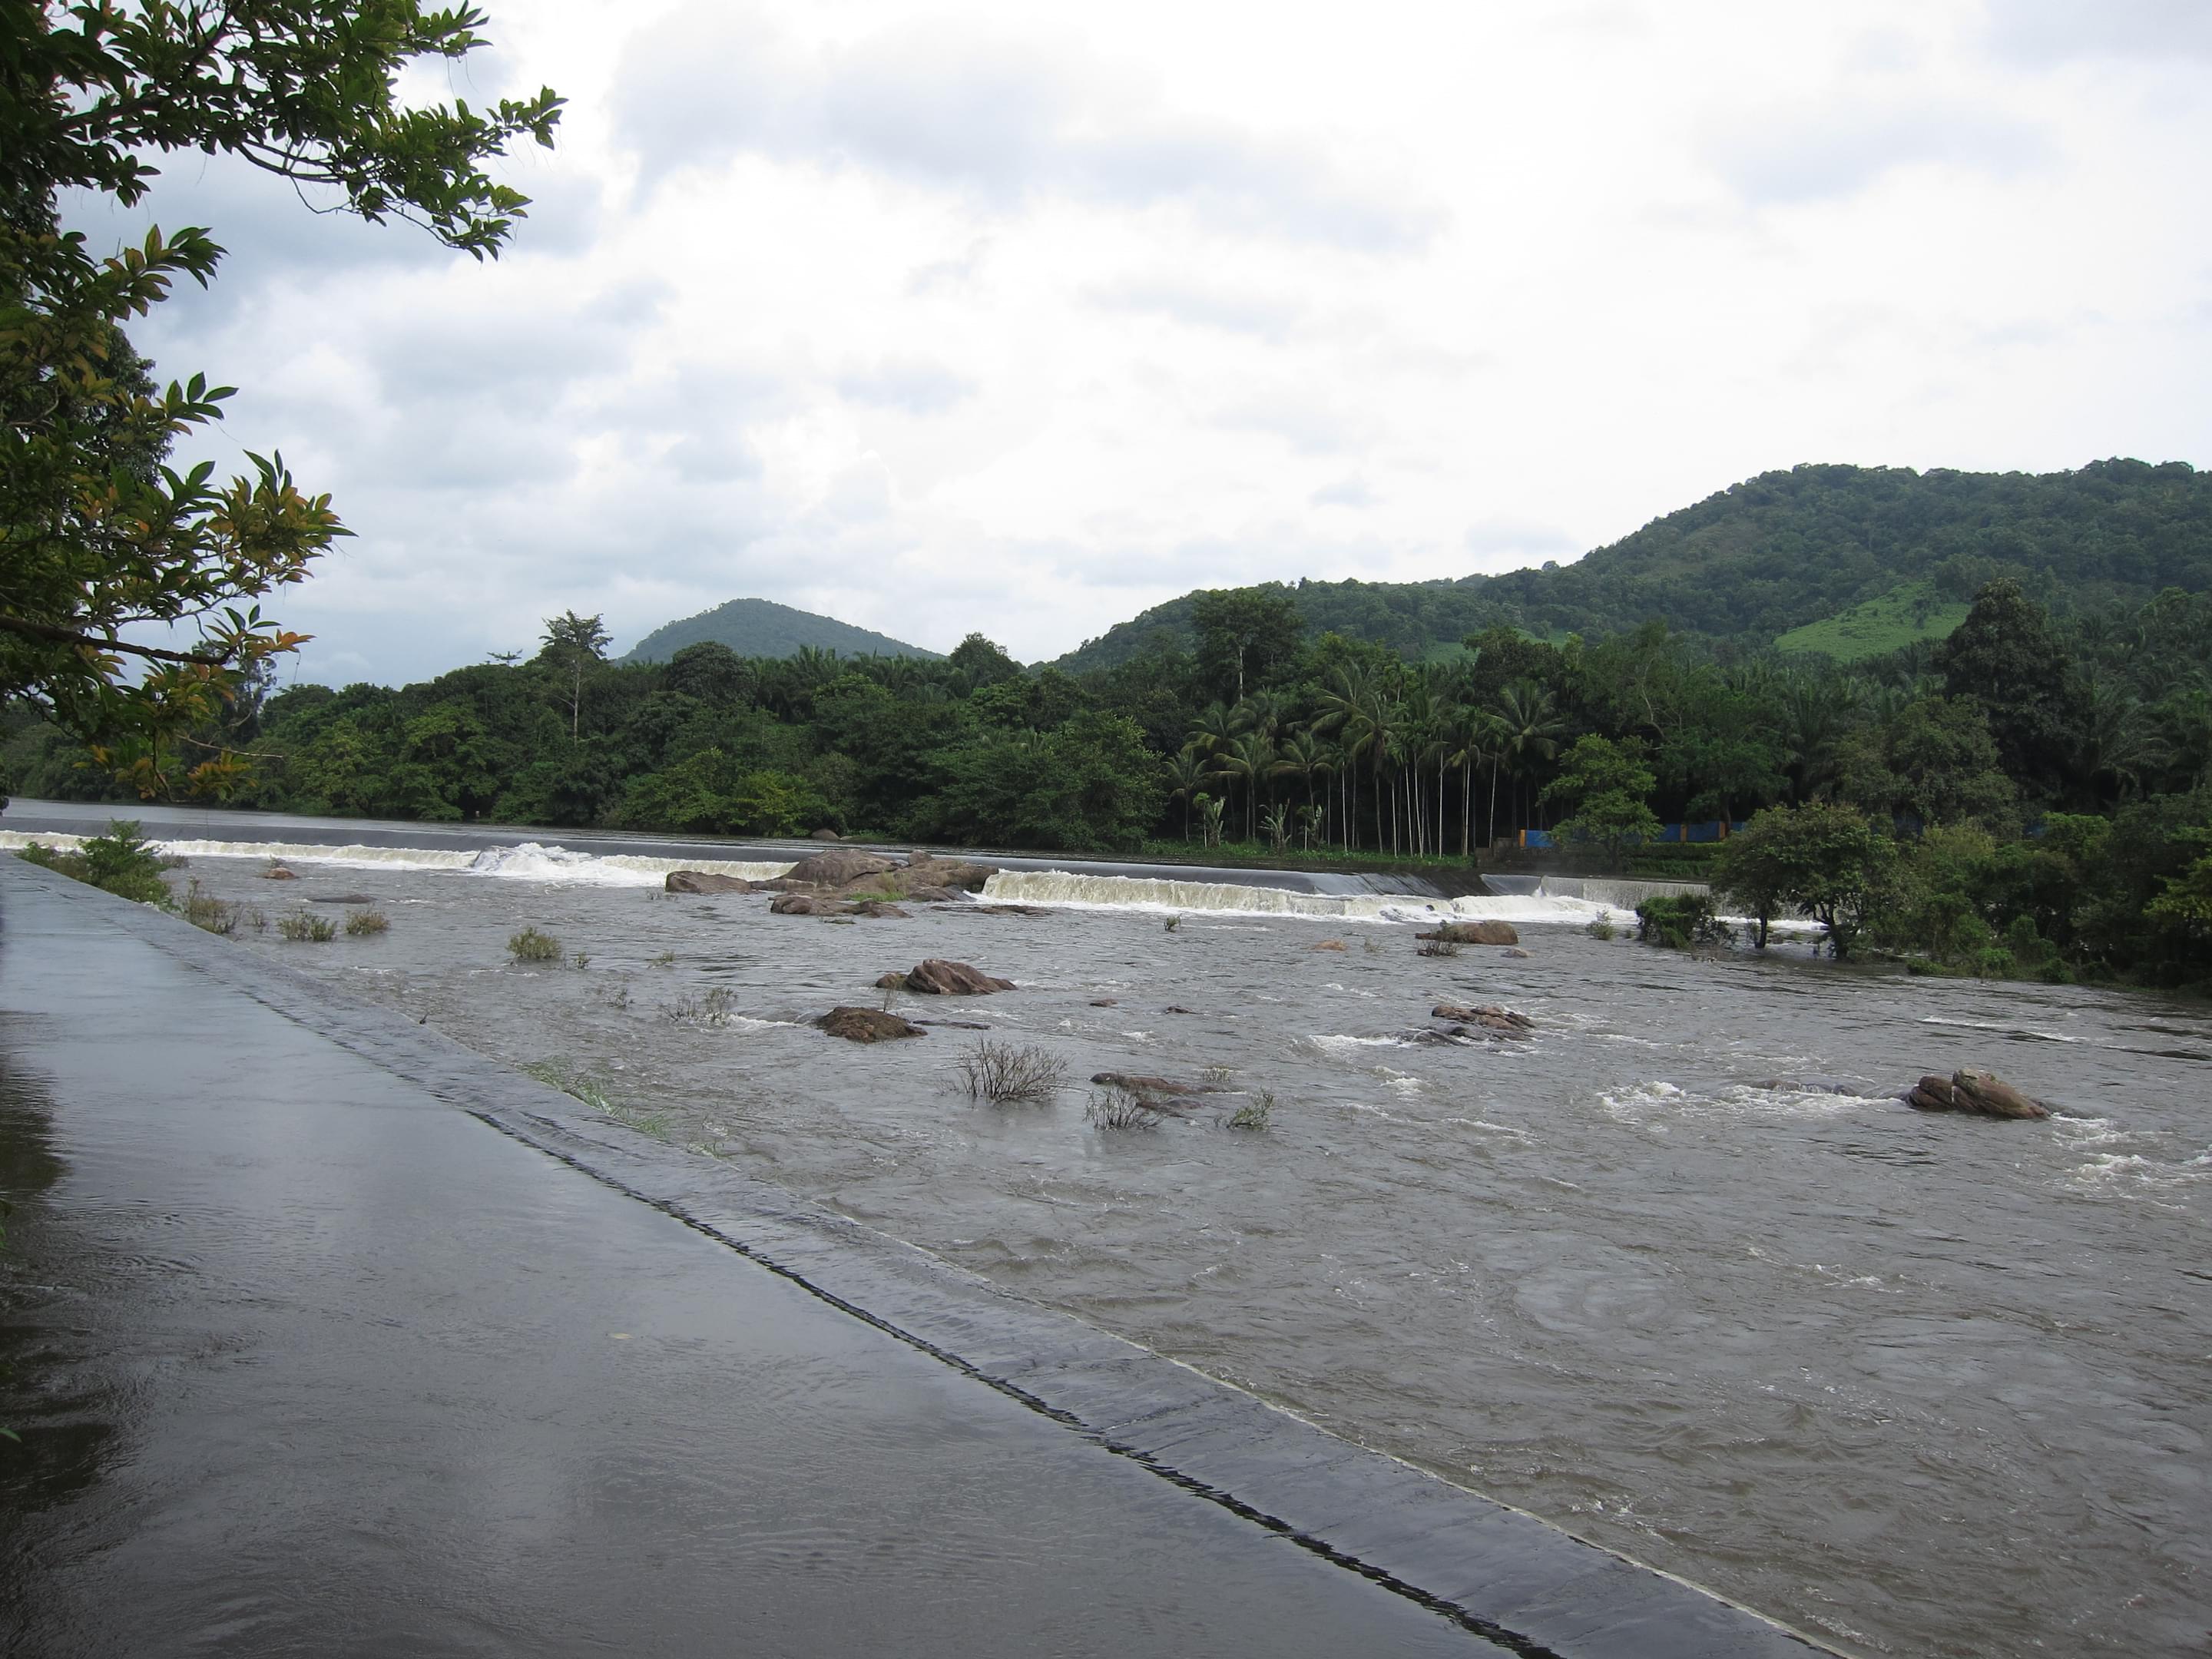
x=2006 y=772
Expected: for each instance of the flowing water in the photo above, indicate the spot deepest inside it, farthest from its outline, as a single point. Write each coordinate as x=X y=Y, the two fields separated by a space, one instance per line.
x=1679 y=1272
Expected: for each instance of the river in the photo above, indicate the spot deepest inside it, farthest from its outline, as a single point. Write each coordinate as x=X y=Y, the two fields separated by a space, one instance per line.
x=1678 y=1272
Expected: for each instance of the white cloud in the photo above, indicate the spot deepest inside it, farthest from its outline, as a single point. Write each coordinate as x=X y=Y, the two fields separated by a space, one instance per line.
x=981 y=322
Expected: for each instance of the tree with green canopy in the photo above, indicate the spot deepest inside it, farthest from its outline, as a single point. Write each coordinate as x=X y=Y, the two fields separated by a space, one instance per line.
x=1607 y=784
x=1827 y=862
x=100 y=539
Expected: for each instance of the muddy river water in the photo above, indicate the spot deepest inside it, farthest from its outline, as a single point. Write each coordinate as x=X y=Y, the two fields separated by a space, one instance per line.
x=1678 y=1272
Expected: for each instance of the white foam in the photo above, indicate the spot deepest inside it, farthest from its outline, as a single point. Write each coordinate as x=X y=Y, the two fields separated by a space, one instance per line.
x=530 y=861
x=1066 y=889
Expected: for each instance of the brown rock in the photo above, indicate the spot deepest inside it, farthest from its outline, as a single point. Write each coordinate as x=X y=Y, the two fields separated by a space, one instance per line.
x=1979 y=1093
x=1327 y=944
x=278 y=872
x=877 y=908
x=339 y=898
x=939 y=978
x=1515 y=952
x=1105 y=1002
x=834 y=868
x=825 y=835
x=866 y=1025
x=891 y=982
x=705 y=881
x=1474 y=933
x=1011 y=910
x=927 y=880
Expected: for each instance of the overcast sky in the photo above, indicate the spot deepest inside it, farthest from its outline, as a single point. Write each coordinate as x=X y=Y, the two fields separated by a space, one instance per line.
x=1021 y=318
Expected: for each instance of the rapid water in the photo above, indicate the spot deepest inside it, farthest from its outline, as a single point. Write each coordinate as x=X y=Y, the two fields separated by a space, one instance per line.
x=1680 y=1272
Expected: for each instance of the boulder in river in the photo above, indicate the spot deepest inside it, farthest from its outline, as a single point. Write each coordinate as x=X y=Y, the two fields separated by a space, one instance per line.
x=825 y=835
x=278 y=872
x=866 y=1025
x=705 y=881
x=1474 y=932
x=1515 y=952
x=809 y=904
x=834 y=868
x=1488 y=1016
x=1979 y=1093
x=939 y=978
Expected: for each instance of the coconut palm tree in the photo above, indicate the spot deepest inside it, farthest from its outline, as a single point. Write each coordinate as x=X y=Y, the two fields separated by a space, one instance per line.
x=1251 y=757
x=1529 y=728
x=1304 y=756
x=1187 y=776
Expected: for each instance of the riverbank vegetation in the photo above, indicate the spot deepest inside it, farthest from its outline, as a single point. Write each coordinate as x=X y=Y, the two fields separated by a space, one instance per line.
x=2032 y=789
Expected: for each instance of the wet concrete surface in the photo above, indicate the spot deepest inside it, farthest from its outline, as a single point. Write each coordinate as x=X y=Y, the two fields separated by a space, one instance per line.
x=305 y=1359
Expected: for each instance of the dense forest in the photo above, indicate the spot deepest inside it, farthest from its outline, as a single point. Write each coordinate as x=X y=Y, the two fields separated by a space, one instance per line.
x=762 y=628
x=1785 y=549
x=2037 y=789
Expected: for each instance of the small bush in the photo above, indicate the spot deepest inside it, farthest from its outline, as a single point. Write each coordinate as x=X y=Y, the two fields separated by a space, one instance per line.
x=1255 y=1113
x=203 y=909
x=580 y=961
x=361 y=924
x=531 y=945
x=1006 y=1073
x=257 y=918
x=1115 y=1107
x=1217 y=1073
x=614 y=996
x=665 y=959
x=306 y=927
x=1439 y=947
x=713 y=1008
x=1601 y=926
x=1680 y=920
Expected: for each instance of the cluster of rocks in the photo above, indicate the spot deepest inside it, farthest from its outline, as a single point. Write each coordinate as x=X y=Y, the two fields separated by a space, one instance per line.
x=1982 y=1094
x=845 y=881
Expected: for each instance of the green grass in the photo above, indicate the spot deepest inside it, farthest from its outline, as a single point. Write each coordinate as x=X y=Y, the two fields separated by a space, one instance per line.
x=1896 y=619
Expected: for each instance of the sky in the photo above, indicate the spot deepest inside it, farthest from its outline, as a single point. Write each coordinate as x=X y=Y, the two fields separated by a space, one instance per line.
x=1018 y=319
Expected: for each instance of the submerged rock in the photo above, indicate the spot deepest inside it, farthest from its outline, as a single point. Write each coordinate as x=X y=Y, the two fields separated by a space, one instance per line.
x=705 y=881
x=1327 y=944
x=278 y=872
x=1979 y=1093
x=339 y=898
x=938 y=978
x=1474 y=932
x=1516 y=952
x=866 y=1025
x=809 y=904
x=825 y=835
x=1138 y=1083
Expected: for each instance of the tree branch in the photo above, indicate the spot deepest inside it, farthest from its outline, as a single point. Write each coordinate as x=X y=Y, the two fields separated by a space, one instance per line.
x=48 y=631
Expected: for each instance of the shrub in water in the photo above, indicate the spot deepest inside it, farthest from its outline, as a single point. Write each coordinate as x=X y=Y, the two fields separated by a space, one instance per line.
x=712 y=1009
x=531 y=945
x=1680 y=919
x=203 y=909
x=361 y=923
x=1115 y=1107
x=1005 y=1072
x=1255 y=1113
x=305 y=925
x=1439 y=947
x=1602 y=925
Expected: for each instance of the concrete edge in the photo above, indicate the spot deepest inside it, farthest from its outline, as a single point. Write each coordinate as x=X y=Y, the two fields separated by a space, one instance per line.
x=1498 y=1571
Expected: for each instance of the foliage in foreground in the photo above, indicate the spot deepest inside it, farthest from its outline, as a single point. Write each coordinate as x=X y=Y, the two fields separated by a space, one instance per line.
x=97 y=536
x=122 y=862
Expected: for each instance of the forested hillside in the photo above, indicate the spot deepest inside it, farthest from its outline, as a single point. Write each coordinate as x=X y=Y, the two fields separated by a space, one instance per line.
x=762 y=628
x=1785 y=549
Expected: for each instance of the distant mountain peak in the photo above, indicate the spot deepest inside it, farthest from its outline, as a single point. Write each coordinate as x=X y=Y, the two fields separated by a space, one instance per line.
x=762 y=628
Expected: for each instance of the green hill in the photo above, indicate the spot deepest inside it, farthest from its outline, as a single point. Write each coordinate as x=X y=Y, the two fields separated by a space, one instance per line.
x=1785 y=549
x=762 y=628
x=1896 y=619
